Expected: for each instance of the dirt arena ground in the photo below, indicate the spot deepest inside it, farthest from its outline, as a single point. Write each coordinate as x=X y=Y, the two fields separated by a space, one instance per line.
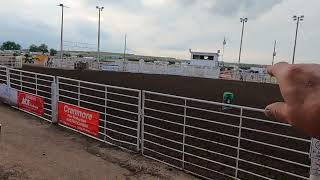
x=33 y=149
x=249 y=94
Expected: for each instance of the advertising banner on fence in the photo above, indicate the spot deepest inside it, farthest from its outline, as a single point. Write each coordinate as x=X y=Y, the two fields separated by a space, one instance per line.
x=31 y=103
x=80 y=119
x=8 y=95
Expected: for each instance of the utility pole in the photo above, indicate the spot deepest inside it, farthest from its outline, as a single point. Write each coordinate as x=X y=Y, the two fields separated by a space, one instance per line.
x=61 y=35
x=224 y=44
x=125 y=47
x=298 y=19
x=243 y=21
x=274 y=52
x=124 y=51
x=100 y=10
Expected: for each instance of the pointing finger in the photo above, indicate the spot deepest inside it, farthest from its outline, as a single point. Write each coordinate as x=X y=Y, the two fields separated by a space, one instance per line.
x=277 y=69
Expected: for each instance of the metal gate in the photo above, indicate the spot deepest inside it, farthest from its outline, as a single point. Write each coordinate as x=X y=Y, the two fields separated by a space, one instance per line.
x=37 y=85
x=118 y=109
x=220 y=141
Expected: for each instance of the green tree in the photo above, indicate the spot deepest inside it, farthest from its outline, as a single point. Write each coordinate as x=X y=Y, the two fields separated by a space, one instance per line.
x=53 y=52
x=33 y=48
x=9 y=45
x=43 y=48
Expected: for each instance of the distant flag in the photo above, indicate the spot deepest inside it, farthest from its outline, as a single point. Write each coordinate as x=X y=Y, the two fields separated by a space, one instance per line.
x=224 y=41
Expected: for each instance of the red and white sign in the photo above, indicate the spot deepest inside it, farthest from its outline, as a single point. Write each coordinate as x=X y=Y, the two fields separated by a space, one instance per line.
x=31 y=103
x=78 y=118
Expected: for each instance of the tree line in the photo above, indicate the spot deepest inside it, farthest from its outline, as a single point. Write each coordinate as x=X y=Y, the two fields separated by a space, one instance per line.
x=13 y=46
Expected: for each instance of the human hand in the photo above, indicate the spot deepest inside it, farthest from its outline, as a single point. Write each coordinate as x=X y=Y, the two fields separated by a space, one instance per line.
x=300 y=89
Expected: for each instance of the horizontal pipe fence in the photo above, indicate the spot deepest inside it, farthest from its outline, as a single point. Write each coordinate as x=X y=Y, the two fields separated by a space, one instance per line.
x=11 y=61
x=3 y=75
x=118 y=110
x=36 y=86
x=208 y=139
x=220 y=141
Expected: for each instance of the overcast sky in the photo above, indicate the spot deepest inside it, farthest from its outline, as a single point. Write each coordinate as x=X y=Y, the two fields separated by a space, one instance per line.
x=169 y=27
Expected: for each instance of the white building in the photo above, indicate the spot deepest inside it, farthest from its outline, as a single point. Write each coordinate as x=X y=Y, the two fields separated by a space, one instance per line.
x=204 y=58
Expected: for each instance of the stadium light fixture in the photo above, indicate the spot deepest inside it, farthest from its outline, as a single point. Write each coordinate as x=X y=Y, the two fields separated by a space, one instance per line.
x=243 y=21
x=100 y=9
x=297 y=19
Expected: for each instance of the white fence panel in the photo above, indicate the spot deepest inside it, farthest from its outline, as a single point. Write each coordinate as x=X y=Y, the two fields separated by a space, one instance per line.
x=194 y=135
x=253 y=77
x=11 y=61
x=35 y=93
x=118 y=110
x=239 y=143
x=3 y=75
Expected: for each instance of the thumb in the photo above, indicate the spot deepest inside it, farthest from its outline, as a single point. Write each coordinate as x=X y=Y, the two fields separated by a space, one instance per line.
x=278 y=111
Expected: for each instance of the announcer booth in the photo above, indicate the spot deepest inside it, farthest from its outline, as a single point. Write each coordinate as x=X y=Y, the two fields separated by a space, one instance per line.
x=204 y=58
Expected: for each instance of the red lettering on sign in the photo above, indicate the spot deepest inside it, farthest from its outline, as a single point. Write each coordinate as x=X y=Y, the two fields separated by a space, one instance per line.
x=31 y=103
x=78 y=118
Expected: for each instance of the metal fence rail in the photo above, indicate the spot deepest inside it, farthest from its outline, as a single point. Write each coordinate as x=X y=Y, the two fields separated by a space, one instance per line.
x=3 y=75
x=199 y=137
x=37 y=85
x=11 y=61
x=209 y=139
x=118 y=109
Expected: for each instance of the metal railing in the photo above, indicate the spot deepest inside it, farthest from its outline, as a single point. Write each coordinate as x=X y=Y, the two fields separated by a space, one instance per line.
x=238 y=142
x=37 y=85
x=209 y=139
x=162 y=68
x=11 y=61
x=253 y=77
x=118 y=109
x=3 y=75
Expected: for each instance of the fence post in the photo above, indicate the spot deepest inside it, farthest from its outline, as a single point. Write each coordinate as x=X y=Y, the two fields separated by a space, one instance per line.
x=184 y=131
x=20 y=62
x=139 y=123
x=36 y=77
x=8 y=77
x=105 y=113
x=54 y=100
x=20 y=74
x=314 y=156
x=239 y=140
x=142 y=121
x=79 y=102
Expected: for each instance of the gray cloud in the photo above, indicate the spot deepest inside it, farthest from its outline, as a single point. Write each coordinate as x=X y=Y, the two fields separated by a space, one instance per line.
x=250 y=8
x=169 y=27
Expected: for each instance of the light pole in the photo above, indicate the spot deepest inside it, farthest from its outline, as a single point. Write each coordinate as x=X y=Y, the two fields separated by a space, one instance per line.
x=298 y=19
x=274 y=51
x=124 y=51
x=61 y=35
x=100 y=10
x=125 y=47
x=224 y=44
x=242 y=20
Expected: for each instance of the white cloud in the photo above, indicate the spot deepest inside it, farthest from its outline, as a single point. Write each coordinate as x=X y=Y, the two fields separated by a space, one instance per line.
x=155 y=3
x=170 y=27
